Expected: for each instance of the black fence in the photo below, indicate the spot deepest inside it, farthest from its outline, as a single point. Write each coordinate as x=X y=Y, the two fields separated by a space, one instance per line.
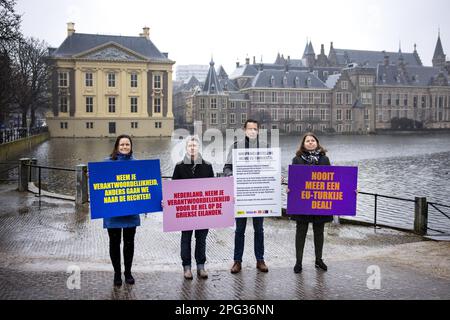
x=9 y=135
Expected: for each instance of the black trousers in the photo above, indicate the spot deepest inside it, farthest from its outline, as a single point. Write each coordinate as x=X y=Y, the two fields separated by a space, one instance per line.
x=200 y=246
x=300 y=237
x=115 y=235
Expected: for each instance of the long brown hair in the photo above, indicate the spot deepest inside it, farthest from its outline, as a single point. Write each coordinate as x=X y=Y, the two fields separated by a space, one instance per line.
x=115 y=151
x=302 y=148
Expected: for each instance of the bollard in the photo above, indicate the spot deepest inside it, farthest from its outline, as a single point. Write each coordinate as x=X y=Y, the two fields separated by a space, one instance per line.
x=24 y=174
x=82 y=184
x=33 y=170
x=421 y=216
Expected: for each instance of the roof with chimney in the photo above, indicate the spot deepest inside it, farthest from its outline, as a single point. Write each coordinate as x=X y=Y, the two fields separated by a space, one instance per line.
x=373 y=58
x=291 y=79
x=110 y=47
x=420 y=76
x=246 y=70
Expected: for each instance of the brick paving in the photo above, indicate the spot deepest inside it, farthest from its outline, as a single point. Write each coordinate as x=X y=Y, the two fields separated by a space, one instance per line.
x=38 y=245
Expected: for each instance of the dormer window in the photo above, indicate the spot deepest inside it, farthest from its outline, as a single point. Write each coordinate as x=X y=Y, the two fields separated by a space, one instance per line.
x=285 y=80
x=297 y=81
x=272 y=81
x=213 y=88
x=308 y=81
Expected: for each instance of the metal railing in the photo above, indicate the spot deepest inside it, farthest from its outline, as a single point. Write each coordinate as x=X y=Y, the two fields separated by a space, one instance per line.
x=420 y=211
x=9 y=135
x=39 y=175
x=435 y=205
x=376 y=196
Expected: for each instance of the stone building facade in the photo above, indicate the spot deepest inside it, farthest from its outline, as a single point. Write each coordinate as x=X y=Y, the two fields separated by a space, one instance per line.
x=348 y=91
x=103 y=86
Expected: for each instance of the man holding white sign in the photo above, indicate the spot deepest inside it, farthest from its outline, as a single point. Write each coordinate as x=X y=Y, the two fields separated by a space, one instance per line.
x=257 y=187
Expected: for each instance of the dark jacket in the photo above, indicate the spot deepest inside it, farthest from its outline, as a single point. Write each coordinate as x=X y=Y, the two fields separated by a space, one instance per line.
x=323 y=161
x=247 y=144
x=125 y=221
x=189 y=170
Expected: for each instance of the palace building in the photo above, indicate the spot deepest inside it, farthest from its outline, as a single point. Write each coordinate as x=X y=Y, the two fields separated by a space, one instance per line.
x=104 y=86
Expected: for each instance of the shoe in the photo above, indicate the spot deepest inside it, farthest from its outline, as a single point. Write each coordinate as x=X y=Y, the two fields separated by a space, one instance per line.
x=202 y=274
x=129 y=278
x=298 y=268
x=261 y=266
x=321 y=265
x=117 y=279
x=188 y=273
x=237 y=267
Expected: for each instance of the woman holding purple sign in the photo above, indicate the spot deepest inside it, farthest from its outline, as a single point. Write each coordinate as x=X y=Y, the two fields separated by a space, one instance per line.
x=193 y=166
x=123 y=151
x=310 y=153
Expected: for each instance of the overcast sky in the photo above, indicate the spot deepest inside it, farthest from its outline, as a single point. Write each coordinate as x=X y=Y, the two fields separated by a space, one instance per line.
x=229 y=30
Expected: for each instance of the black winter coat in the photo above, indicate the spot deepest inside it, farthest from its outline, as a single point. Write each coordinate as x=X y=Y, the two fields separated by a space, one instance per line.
x=323 y=161
x=187 y=171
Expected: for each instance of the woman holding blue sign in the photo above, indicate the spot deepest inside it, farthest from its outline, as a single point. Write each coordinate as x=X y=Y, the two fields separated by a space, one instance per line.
x=193 y=166
x=123 y=151
x=310 y=153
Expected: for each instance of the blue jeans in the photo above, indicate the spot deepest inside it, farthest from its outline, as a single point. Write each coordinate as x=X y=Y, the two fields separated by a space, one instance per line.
x=200 y=246
x=239 y=238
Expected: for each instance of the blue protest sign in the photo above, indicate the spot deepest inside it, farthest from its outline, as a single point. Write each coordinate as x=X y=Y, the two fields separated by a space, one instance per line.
x=122 y=188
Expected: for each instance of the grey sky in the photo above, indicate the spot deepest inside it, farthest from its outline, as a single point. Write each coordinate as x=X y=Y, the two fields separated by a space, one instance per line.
x=192 y=31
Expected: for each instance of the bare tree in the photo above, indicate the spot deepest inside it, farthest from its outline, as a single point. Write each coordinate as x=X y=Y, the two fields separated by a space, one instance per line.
x=9 y=22
x=9 y=34
x=31 y=78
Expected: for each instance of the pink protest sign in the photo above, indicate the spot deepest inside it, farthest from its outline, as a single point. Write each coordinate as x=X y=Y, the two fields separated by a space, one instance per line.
x=194 y=204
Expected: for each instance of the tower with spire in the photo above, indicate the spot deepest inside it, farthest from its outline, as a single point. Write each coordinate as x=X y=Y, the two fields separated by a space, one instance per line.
x=309 y=56
x=212 y=84
x=439 y=55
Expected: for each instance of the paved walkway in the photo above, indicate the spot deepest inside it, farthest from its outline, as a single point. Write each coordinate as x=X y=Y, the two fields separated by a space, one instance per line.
x=38 y=246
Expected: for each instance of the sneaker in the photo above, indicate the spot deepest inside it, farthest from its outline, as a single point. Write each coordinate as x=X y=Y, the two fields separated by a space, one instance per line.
x=117 y=279
x=202 y=274
x=237 y=267
x=261 y=266
x=188 y=273
x=298 y=268
x=321 y=265
x=129 y=278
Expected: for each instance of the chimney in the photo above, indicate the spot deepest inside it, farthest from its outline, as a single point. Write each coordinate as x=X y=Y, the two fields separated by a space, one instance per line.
x=145 y=32
x=254 y=60
x=247 y=60
x=70 y=28
x=237 y=64
x=386 y=59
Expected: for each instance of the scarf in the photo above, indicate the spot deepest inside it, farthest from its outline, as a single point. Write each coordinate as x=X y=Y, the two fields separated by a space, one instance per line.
x=193 y=164
x=311 y=157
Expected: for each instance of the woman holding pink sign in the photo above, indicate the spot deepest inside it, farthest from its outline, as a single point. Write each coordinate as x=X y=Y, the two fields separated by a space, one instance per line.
x=310 y=153
x=193 y=166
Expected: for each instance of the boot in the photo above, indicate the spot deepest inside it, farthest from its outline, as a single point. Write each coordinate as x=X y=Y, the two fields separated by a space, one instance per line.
x=321 y=265
x=117 y=279
x=201 y=272
x=129 y=278
x=237 y=267
x=261 y=266
x=188 y=273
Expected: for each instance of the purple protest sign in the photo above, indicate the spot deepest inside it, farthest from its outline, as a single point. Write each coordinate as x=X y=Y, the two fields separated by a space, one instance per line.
x=195 y=204
x=322 y=190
